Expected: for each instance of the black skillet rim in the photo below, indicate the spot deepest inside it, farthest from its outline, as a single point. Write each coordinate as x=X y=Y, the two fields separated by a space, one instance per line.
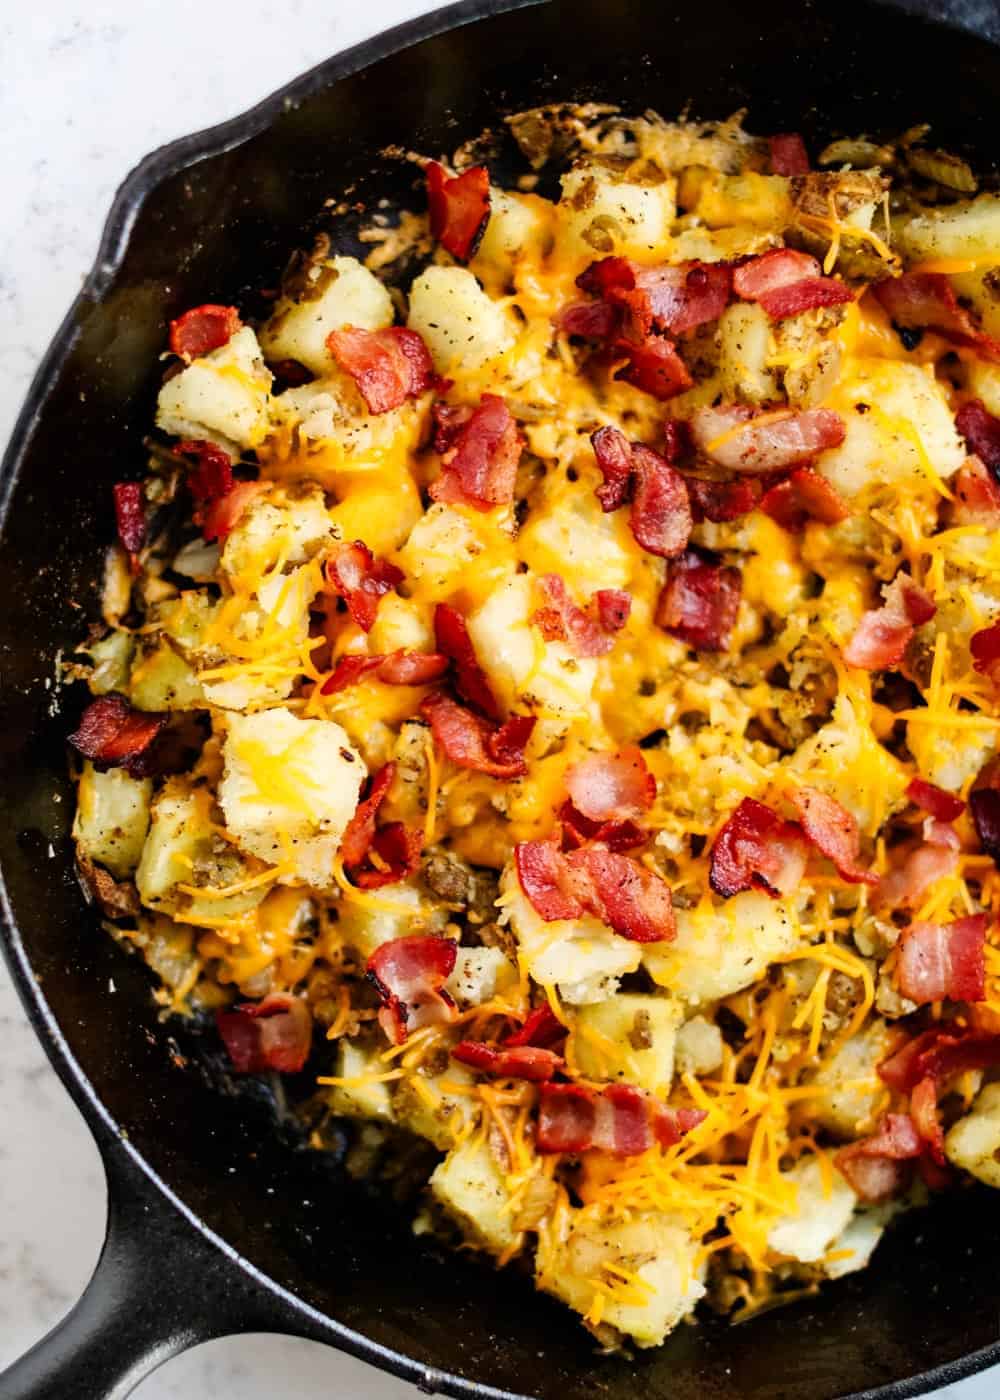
x=162 y=163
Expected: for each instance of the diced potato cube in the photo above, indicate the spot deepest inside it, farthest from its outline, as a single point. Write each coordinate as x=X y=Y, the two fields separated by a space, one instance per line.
x=162 y=680
x=342 y=293
x=112 y=817
x=368 y=920
x=461 y=325
x=479 y=975
x=401 y=624
x=900 y=428
x=290 y=787
x=658 y=1249
x=744 y=335
x=436 y=1106
x=277 y=529
x=567 y=533
x=628 y=1037
x=519 y=227
x=721 y=947
x=469 y=1186
x=982 y=379
x=222 y=396
x=763 y=201
x=844 y=760
x=441 y=547
x=973 y=1143
x=824 y=1205
x=967 y=229
x=180 y=834
x=521 y=665
x=853 y=1249
x=847 y=1108
x=950 y=765
x=602 y=213
x=581 y=956
x=699 y=1048
x=367 y=1097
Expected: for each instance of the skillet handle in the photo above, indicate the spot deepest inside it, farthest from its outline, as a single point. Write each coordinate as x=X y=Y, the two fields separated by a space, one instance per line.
x=159 y=1288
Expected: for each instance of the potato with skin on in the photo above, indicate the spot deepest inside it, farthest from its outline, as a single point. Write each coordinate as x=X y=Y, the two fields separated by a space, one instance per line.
x=973 y=1143
x=657 y=1248
x=470 y=1187
x=112 y=817
x=340 y=292
x=223 y=397
x=289 y=789
x=629 y=1037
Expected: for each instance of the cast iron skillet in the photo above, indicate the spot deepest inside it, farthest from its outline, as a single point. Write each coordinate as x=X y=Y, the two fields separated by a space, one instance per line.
x=217 y=1224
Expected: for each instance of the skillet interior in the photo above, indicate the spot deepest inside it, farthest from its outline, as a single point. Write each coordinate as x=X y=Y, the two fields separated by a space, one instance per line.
x=213 y=231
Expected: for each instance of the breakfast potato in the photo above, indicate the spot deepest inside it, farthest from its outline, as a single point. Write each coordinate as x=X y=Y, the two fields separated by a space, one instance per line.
x=338 y=292
x=222 y=396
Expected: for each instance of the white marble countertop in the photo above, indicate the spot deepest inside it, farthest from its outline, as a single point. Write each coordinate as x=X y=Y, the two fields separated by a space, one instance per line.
x=86 y=92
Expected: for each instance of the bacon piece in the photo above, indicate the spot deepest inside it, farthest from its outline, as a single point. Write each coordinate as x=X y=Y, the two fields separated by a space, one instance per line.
x=524 y=1062
x=211 y=477
x=593 y=320
x=360 y=831
x=452 y=637
x=937 y=1054
x=788 y=154
x=927 y=301
x=355 y=575
x=619 y=1119
x=542 y=1028
x=804 y=496
x=883 y=634
x=833 y=831
x=875 y=1167
x=388 y=366
x=977 y=495
x=610 y=787
x=459 y=208
x=943 y=806
x=984 y=807
x=981 y=431
x=985 y=649
x=614 y=458
x=578 y=830
x=634 y=901
x=479 y=463
x=114 y=735
x=563 y=619
x=926 y=1120
x=720 y=501
x=672 y=297
x=395 y=668
x=700 y=600
x=655 y=367
x=396 y=847
x=742 y=440
x=222 y=515
x=409 y=975
x=786 y=283
x=943 y=960
x=130 y=519
x=473 y=742
x=613 y=606
x=757 y=849
x=661 y=519
x=273 y=1034
x=202 y=329
x=905 y=886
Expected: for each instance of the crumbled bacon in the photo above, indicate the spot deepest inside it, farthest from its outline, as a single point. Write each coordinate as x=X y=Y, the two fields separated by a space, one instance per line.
x=943 y=960
x=479 y=460
x=519 y=1062
x=130 y=519
x=788 y=154
x=355 y=575
x=610 y=787
x=923 y=867
x=578 y=830
x=672 y=297
x=985 y=649
x=943 y=806
x=221 y=516
x=721 y=501
x=376 y=856
x=661 y=519
x=114 y=735
x=211 y=476
x=614 y=458
x=984 y=807
x=938 y=1054
x=452 y=637
x=876 y=1167
x=744 y=440
x=459 y=208
x=471 y=741
x=409 y=975
x=394 y=668
x=757 y=849
x=273 y=1034
x=358 y=836
x=389 y=366
x=593 y=320
x=786 y=283
x=613 y=606
x=883 y=634
x=801 y=497
x=562 y=619
x=981 y=431
x=633 y=900
x=202 y=329
x=542 y=1028
x=927 y=301
x=977 y=495
x=833 y=831
x=619 y=1119
x=654 y=365
x=700 y=600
